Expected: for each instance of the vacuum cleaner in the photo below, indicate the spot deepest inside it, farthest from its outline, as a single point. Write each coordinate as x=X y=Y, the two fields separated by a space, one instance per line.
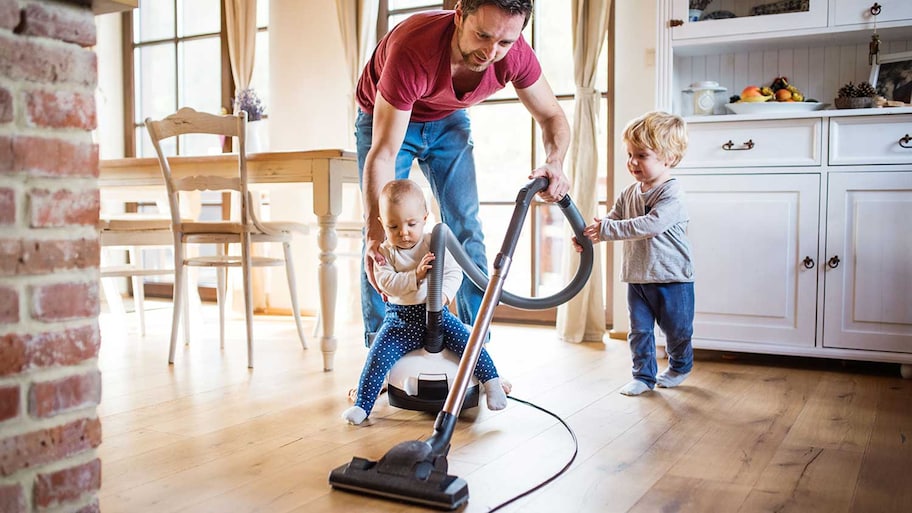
x=416 y=471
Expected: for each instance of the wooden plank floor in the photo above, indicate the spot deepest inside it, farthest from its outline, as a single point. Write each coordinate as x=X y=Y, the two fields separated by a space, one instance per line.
x=745 y=433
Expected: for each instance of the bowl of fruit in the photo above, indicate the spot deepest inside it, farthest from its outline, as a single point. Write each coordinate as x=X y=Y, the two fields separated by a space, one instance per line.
x=779 y=96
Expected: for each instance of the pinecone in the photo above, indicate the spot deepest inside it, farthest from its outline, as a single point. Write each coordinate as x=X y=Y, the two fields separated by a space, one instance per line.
x=849 y=90
x=865 y=89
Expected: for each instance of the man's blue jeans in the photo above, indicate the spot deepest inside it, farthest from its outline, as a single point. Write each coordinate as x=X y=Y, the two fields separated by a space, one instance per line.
x=671 y=306
x=444 y=152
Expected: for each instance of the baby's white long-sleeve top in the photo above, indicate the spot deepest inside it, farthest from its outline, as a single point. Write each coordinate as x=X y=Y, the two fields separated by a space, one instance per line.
x=398 y=280
x=653 y=226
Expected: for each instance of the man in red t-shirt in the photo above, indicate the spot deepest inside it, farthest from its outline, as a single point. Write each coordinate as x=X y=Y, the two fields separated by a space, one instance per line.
x=412 y=97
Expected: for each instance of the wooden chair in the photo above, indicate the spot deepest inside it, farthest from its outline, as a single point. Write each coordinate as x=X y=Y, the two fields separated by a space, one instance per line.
x=132 y=232
x=244 y=231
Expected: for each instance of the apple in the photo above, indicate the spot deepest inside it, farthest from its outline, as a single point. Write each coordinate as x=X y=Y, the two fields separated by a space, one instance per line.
x=750 y=91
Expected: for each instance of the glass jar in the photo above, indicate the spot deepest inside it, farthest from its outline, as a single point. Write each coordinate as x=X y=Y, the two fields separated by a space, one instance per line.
x=704 y=99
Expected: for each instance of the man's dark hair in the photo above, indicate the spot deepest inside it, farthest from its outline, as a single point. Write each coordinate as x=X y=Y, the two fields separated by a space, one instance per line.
x=523 y=7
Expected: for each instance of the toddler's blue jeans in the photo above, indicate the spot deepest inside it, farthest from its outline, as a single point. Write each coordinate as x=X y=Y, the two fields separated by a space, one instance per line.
x=671 y=306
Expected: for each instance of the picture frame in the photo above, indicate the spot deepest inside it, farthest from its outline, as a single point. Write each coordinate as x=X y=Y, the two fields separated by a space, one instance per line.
x=892 y=76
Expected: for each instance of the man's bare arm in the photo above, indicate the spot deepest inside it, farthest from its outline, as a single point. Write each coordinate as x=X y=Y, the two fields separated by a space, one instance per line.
x=388 y=132
x=541 y=103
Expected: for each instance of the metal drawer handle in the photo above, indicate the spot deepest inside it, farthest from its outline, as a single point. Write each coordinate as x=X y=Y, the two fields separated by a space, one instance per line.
x=808 y=262
x=833 y=263
x=905 y=140
x=730 y=146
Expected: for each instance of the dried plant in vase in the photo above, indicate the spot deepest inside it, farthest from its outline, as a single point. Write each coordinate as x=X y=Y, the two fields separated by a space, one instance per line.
x=855 y=96
x=248 y=101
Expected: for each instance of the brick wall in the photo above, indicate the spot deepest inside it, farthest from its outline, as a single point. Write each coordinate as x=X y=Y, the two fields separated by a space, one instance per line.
x=50 y=385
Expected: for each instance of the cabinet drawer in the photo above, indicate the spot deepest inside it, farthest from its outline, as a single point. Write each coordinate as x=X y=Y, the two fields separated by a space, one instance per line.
x=871 y=140
x=791 y=142
x=852 y=12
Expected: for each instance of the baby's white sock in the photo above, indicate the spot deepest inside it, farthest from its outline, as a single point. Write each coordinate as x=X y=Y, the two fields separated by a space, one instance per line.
x=635 y=387
x=670 y=378
x=354 y=415
x=495 y=394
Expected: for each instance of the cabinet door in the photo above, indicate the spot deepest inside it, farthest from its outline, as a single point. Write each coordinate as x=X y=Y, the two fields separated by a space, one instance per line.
x=868 y=271
x=854 y=12
x=750 y=235
x=741 y=17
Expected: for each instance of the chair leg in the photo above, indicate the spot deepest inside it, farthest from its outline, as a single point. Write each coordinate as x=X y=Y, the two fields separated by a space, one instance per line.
x=139 y=292
x=248 y=294
x=293 y=291
x=221 y=289
x=180 y=288
x=112 y=295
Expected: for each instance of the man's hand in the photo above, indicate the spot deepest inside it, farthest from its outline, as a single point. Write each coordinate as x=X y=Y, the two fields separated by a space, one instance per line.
x=373 y=255
x=558 y=183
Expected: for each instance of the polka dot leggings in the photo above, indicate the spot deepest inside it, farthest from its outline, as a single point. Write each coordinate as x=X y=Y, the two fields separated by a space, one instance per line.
x=403 y=331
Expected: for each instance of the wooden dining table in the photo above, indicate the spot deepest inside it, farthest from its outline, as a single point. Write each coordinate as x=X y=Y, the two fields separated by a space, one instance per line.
x=328 y=170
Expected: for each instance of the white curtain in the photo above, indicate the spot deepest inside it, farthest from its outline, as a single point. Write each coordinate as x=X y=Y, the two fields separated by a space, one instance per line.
x=240 y=16
x=583 y=318
x=358 y=27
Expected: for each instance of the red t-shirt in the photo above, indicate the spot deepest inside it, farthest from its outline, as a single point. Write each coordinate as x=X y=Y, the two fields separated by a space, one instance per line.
x=411 y=68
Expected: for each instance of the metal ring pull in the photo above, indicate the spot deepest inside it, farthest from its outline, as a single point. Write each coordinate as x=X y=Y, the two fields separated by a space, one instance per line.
x=833 y=263
x=808 y=262
x=905 y=140
x=875 y=9
x=730 y=146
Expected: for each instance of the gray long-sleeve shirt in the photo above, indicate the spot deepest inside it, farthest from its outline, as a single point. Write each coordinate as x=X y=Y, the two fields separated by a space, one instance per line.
x=653 y=226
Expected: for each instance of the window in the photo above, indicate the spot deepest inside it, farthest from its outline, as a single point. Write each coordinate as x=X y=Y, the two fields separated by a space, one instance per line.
x=178 y=57
x=504 y=157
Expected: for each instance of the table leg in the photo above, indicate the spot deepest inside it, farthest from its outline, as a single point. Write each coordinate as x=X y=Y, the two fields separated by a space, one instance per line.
x=328 y=278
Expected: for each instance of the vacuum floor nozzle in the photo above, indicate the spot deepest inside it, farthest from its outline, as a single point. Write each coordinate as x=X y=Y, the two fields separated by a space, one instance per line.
x=409 y=472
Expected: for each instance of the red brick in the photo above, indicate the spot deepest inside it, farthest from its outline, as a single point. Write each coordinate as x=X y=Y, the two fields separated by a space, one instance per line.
x=70 y=24
x=63 y=208
x=64 y=301
x=13 y=354
x=38 y=61
x=9 y=14
x=46 y=256
x=67 y=484
x=7 y=206
x=9 y=407
x=40 y=156
x=6 y=152
x=49 y=398
x=23 y=352
x=9 y=305
x=19 y=257
x=43 y=446
x=69 y=347
x=6 y=105
x=12 y=497
x=61 y=109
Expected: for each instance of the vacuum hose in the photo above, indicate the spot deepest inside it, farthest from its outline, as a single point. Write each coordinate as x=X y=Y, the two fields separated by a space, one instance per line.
x=442 y=237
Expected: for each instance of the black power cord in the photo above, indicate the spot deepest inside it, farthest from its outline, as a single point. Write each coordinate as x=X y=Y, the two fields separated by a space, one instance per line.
x=559 y=472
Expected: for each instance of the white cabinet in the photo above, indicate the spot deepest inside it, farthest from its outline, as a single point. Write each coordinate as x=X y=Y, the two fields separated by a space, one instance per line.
x=742 y=17
x=854 y=12
x=798 y=219
x=754 y=240
x=739 y=144
x=867 y=267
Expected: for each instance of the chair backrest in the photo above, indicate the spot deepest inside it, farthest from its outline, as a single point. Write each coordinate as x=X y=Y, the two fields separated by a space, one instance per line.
x=189 y=121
